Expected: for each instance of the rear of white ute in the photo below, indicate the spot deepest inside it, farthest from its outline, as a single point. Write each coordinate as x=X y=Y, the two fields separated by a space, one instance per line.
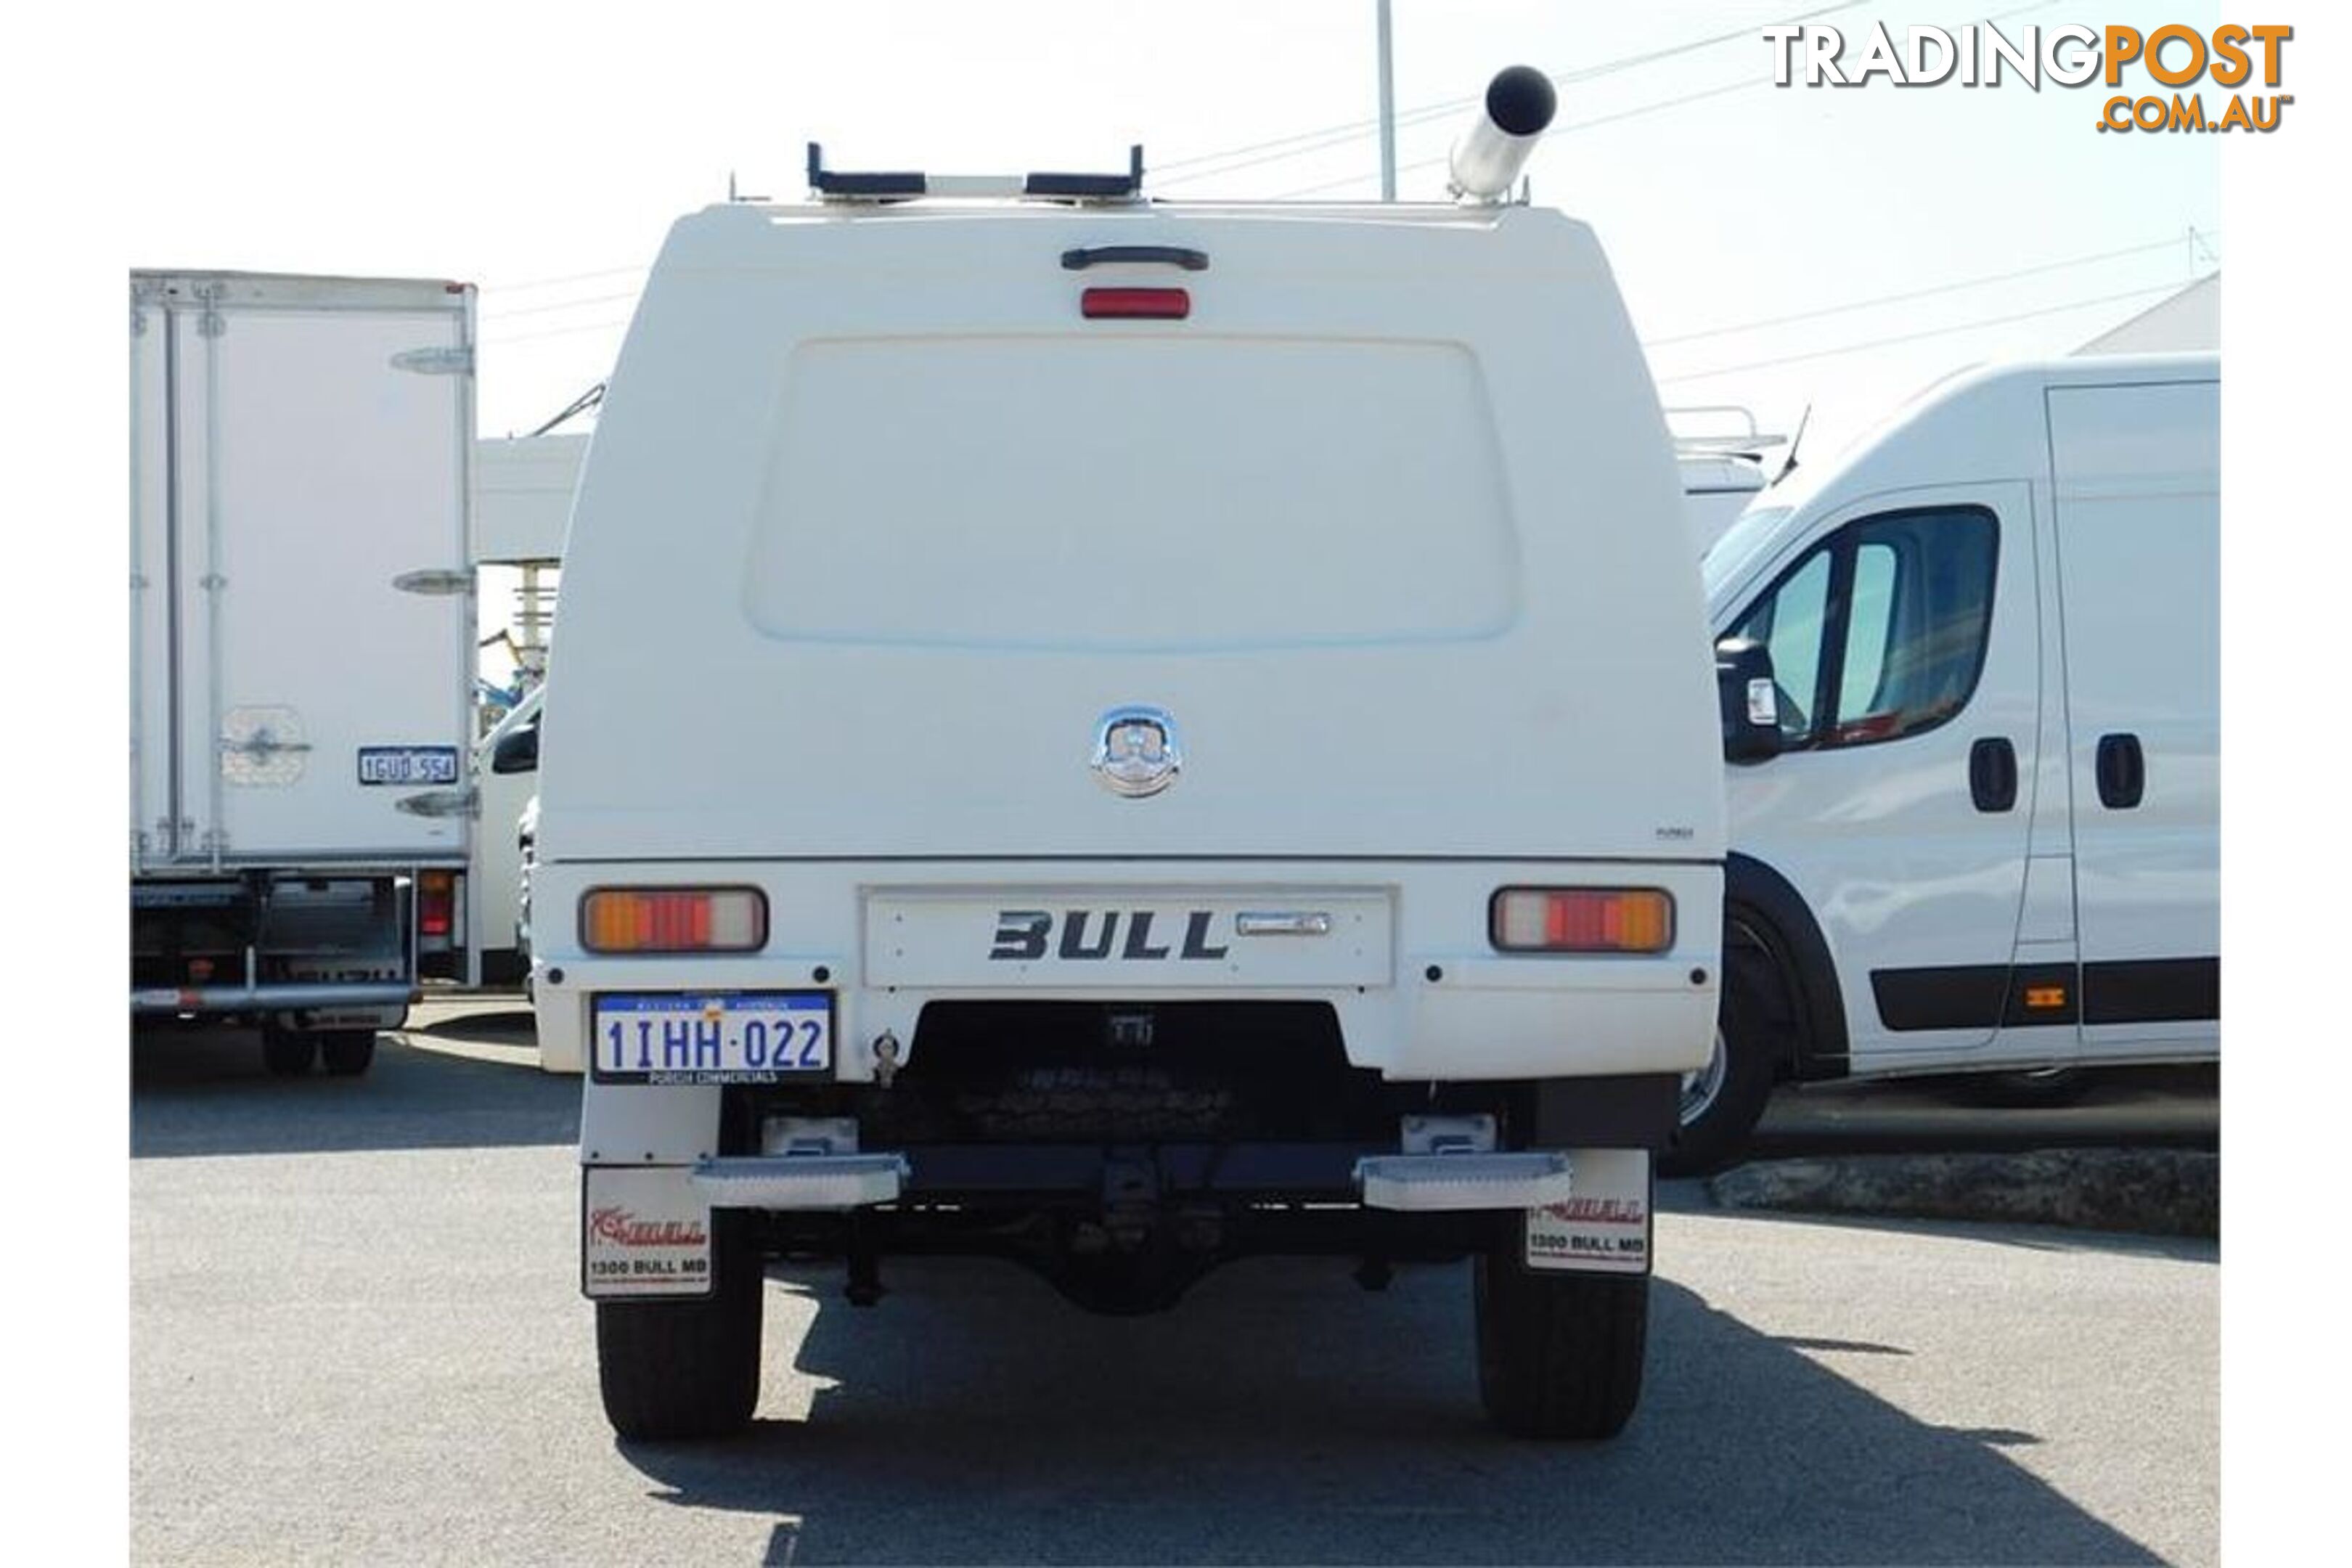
x=1123 y=737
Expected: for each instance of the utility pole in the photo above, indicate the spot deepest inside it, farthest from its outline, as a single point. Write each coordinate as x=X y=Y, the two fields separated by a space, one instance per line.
x=1388 y=111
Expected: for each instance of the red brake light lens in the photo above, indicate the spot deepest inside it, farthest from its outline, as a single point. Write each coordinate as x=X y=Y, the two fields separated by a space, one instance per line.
x=1136 y=304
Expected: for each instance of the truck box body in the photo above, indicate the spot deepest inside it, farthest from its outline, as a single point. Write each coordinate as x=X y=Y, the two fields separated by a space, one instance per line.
x=301 y=607
x=1132 y=689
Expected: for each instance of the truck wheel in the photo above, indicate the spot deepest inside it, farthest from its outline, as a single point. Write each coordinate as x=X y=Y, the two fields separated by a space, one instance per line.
x=1560 y=1356
x=1722 y=1100
x=347 y=1053
x=287 y=1053
x=674 y=1370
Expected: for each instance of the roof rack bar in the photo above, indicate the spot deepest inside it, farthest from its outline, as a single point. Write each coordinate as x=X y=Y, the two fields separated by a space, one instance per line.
x=871 y=187
x=906 y=184
x=1092 y=187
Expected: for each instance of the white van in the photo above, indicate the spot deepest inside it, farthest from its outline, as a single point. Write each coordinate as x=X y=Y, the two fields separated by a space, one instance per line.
x=1991 y=837
x=1182 y=758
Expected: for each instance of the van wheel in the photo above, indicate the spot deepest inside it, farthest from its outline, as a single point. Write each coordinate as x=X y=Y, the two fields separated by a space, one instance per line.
x=673 y=1370
x=1560 y=1356
x=347 y=1053
x=287 y=1053
x=1721 y=1101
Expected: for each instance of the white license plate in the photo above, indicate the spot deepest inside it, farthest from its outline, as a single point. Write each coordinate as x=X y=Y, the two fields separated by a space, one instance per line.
x=733 y=1037
x=408 y=765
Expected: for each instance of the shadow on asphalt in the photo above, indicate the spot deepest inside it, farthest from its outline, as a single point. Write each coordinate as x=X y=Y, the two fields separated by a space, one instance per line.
x=2124 y=1107
x=205 y=1093
x=1253 y=1425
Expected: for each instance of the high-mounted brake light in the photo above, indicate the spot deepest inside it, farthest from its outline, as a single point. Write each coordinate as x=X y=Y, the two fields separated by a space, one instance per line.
x=674 y=920
x=1581 y=920
x=1134 y=304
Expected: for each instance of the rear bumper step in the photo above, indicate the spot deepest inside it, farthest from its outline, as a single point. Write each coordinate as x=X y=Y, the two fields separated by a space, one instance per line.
x=1442 y=1182
x=802 y=1181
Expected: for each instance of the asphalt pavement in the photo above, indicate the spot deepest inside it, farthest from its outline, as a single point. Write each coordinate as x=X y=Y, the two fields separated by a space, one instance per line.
x=356 y=1337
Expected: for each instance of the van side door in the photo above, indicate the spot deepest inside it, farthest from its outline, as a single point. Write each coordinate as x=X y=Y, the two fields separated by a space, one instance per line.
x=1905 y=643
x=2136 y=476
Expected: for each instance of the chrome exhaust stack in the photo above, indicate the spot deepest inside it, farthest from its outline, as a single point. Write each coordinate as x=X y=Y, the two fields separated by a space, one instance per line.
x=1518 y=108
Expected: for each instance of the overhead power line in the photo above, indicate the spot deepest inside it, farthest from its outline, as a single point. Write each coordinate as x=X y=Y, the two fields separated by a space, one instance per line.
x=496 y=339
x=557 y=282
x=1930 y=333
x=1929 y=292
x=503 y=315
x=1278 y=149
x=1759 y=80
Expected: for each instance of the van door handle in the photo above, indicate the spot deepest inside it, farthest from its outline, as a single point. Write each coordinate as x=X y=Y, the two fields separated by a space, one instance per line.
x=1992 y=774
x=2122 y=771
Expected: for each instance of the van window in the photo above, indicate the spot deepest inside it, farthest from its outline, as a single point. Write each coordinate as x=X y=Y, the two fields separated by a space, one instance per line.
x=1880 y=632
x=1789 y=622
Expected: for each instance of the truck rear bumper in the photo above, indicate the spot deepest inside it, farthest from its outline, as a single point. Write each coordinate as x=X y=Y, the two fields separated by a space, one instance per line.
x=272 y=998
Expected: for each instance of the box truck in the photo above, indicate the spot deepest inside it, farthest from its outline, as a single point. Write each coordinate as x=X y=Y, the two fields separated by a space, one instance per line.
x=301 y=652
x=1988 y=834
x=1202 y=742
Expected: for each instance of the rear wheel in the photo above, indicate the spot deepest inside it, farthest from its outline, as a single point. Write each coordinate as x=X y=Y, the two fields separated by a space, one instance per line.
x=347 y=1053
x=1560 y=1356
x=674 y=1370
x=287 y=1053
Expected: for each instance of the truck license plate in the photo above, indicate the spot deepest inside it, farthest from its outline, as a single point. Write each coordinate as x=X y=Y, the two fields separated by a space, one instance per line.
x=408 y=765
x=730 y=1036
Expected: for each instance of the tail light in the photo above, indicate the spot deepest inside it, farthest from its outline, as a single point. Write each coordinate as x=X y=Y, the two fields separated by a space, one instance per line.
x=674 y=920
x=1581 y=920
x=437 y=902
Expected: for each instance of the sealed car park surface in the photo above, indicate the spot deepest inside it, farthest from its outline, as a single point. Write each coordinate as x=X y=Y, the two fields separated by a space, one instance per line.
x=356 y=1336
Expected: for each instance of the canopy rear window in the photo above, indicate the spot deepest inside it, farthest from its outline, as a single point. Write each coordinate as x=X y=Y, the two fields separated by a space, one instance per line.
x=1133 y=492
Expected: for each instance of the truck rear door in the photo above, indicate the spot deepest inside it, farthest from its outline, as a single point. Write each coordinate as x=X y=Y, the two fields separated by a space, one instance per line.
x=2136 y=470
x=302 y=689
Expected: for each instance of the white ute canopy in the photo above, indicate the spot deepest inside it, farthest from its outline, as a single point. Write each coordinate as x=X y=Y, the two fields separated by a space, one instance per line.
x=1351 y=561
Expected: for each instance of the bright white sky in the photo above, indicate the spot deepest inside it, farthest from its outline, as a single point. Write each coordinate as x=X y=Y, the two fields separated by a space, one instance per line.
x=520 y=144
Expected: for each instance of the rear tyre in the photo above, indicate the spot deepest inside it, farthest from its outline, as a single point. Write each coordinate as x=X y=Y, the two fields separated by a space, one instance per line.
x=1560 y=1356
x=347 y=1053
x=675 y=1369
x=287 y=1053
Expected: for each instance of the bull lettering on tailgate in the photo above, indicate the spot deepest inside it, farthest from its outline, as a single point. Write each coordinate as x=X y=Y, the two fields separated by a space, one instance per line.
x=1092 y=935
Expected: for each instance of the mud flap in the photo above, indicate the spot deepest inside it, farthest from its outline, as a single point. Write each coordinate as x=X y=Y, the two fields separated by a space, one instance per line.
x=645 y=1232
x=1605 y=1228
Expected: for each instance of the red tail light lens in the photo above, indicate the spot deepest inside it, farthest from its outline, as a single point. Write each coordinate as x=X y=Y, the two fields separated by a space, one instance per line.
x=674 y=920
x=436 y=903
x=1581 y=920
